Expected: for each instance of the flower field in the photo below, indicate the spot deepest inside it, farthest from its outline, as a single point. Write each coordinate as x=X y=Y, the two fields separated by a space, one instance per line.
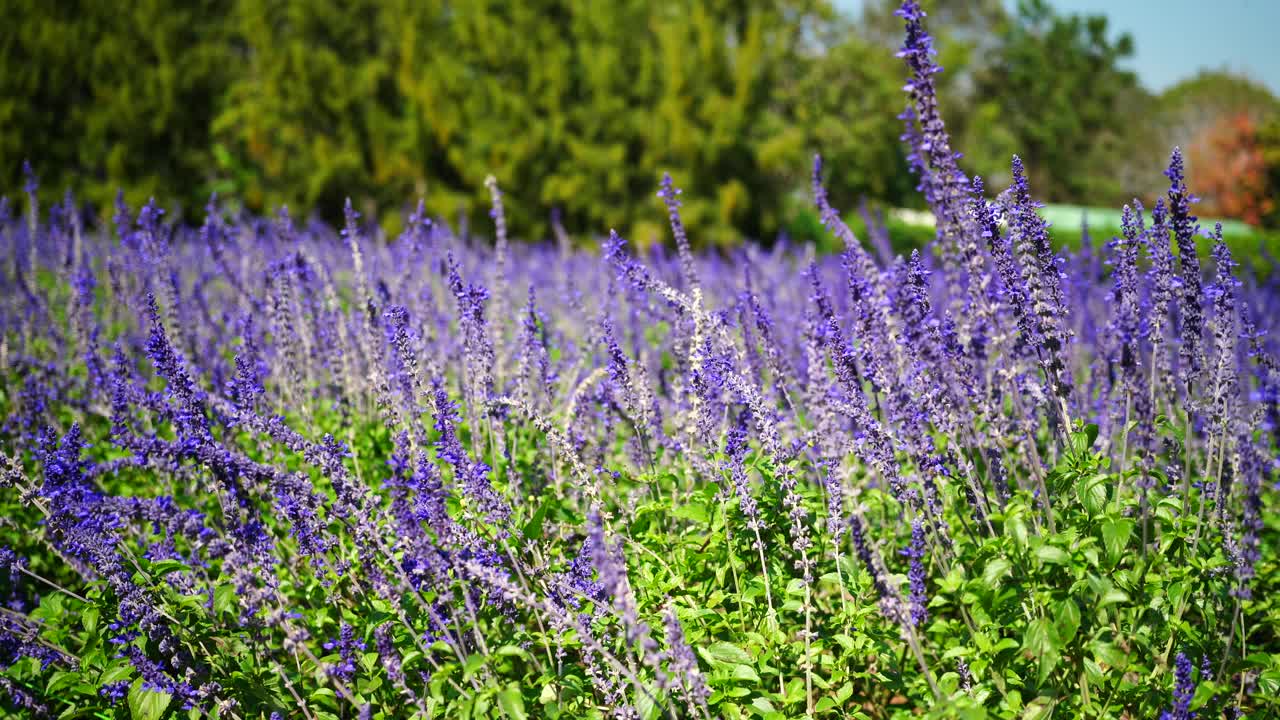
x=260 y=468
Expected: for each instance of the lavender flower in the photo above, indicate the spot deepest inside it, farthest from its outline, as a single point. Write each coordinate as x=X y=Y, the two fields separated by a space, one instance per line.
x=916 y=577
x=865 y=290
x=20 y=698
x=1013 y=288
x=1044 y=282
x=471 y=475
x=735 y=451
x=477 y=347
x=941 y=180
x=610 y=566
x=1124 y=293
x=114 y=692
x=1163 y=285
x=623 y=386
x=998 y=474
x=1250 y=468
x=189 y=413
x=1225 y=322
x=390 y=656
x=890 y=601
x=1184 y=688
x=1183 y=225
x=499 y=217
x=670 y=195
x=580 y=578
x=18 y=640
x=835 y=504
x=966 y=677
x=346 y=644
x=684 y=664
x=536 y=376
x=30 y=184
x=1125 y=328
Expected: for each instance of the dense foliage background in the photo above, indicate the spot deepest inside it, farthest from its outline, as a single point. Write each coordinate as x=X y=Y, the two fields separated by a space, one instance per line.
x=580 y=103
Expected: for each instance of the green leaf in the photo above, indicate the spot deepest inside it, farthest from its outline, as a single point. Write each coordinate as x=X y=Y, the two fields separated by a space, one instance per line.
x=512 y=703
x=473 y=664
x=1082 y=441
x=1110 y=655
x=1041 y=641
x=89 y=619
x=697 y=512
x=533 y=528
x=1115 y=536
x=224 y=598
x=514 y=651
x=1039 y=637
x=60 y=681
x=645 y=706
x=728 y=653
x=164 y=567
x=147 y=704
x=324 y=694
x=1066 y=620
x=844 y=692
x=1053 y=555
x=1113 y=596
x=995 y=571
x=1091 y=491
x=116 y=673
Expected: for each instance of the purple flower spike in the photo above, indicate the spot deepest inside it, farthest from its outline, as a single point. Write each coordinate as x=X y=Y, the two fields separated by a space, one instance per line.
x=1184 y=689
x=1030 y=234
x=944 y=185
x=684 y=664
x=1183 y=224
x=916 y=576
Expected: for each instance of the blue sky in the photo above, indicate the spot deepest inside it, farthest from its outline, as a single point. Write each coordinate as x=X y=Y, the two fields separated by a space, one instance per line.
x=1175 y=38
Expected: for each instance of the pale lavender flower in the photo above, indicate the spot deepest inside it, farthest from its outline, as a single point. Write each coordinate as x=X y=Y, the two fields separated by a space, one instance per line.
x=683 y=662
x=1043 y=280
x=1226 y=331
x=1250 y=467
x=670 y=195
x=890 y=601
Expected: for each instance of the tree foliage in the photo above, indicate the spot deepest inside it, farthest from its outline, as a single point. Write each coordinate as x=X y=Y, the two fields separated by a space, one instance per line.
x=1230 y=172
x=102 y=96
x=1056 y=86
x=572 y=105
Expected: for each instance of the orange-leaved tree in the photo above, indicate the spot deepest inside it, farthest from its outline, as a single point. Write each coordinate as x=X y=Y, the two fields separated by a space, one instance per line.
x=1229 y=172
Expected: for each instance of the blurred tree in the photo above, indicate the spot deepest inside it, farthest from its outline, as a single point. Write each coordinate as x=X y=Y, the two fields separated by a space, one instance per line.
x=843 y=104
x=1201 y=101
x=1216 y=113
x=1228 y=171
x=102 y=96
x=1269 y=148
x=310 y=118
x=570 y=103
x=1044 y=86
x=1057 y=85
